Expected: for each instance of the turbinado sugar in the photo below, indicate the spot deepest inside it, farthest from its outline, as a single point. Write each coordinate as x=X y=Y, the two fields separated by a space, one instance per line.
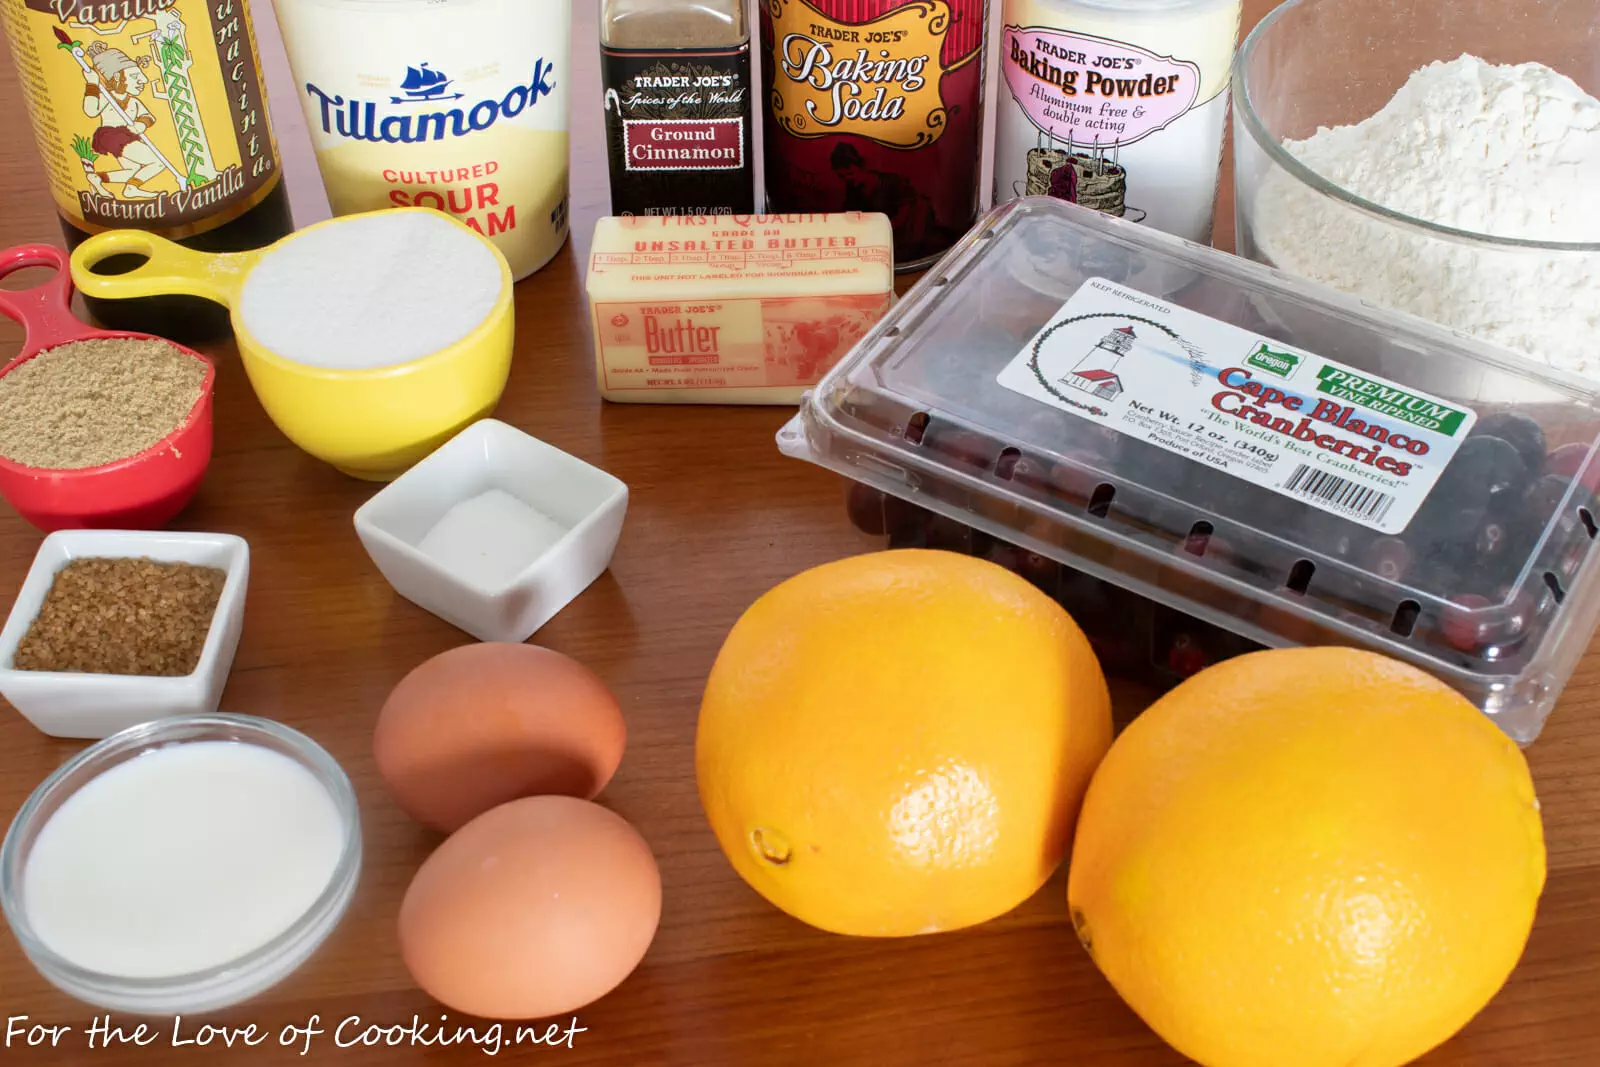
x=123 y=616
x=371 y=291
x=88 y=403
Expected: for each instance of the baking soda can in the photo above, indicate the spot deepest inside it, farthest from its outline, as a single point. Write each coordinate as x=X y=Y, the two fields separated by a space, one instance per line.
x=876 y=105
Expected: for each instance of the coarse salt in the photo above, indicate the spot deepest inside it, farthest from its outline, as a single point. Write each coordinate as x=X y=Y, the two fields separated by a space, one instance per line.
x=490 y=539
x=372 y=291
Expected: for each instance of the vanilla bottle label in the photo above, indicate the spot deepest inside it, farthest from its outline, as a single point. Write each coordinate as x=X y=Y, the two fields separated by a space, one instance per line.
x=147 y=113
x=678 y=131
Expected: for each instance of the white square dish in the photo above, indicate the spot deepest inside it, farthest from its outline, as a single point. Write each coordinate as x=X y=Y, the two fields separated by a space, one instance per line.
x=586 y=503
x=94 y=706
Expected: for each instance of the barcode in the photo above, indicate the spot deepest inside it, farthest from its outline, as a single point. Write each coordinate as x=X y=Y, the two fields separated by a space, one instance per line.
x=1350 y=497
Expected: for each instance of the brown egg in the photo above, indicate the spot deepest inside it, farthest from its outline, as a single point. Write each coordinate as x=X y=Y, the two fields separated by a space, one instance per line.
x=534 y=909
x=482 y=724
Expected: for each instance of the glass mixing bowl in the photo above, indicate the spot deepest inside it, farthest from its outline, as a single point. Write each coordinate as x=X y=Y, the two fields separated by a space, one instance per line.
x=1328 y=63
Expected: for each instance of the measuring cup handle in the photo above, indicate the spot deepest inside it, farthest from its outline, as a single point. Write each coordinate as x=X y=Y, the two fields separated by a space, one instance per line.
x=168 y=268
x=44 y=310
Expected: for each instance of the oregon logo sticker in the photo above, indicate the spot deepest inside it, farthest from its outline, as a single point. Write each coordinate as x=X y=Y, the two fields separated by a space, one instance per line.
x=1283 y=364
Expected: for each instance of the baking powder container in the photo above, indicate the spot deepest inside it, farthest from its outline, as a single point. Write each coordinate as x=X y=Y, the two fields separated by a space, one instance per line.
x=1117 y=105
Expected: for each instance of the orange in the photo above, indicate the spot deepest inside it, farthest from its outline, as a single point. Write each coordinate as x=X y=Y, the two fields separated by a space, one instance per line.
x=898 y=743
x=1317 y=856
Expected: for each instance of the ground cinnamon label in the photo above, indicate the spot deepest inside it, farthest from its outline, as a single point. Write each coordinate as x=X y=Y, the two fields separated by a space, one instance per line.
x=123 y=616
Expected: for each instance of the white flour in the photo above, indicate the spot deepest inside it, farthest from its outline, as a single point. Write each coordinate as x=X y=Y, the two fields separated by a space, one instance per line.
x=1512 y=151
x=371 y=292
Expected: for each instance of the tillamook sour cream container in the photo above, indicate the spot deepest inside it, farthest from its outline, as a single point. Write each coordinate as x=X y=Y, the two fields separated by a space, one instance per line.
x=456 y=105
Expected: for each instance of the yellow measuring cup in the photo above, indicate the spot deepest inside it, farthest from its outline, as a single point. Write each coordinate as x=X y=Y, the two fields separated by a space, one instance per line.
x=370 y=423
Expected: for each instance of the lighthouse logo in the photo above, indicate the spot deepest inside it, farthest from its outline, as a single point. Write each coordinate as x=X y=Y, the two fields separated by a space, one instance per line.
x=1081 y=362
x=1096 y=372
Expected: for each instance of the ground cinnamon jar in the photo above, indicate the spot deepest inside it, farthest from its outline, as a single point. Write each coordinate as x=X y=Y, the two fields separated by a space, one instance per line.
x=877 y=106
x=676 y=79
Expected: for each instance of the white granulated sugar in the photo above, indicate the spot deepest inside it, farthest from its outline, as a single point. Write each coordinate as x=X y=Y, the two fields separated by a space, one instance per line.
x=1510 y=151
x=371 y=292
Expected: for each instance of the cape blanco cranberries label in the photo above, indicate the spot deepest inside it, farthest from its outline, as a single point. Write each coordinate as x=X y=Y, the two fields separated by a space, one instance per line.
x=1086 y=90
x=1346 y=442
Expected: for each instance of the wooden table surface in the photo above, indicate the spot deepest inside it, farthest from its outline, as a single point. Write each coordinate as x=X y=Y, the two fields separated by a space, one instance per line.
x=717 y=517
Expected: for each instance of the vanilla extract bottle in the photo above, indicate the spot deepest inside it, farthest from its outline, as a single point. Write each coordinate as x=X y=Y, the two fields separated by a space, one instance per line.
x=676 y=76
x=151 y=115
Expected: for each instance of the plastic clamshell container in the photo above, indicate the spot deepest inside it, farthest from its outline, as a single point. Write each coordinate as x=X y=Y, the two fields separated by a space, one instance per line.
x=491 y=454
x=82 y=705
x=1478 y=569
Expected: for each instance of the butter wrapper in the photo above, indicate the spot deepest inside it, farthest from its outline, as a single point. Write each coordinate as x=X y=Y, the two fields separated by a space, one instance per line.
x=732 y=309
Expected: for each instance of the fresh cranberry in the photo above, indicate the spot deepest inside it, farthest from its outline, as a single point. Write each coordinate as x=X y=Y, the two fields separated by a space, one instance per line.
x=1006 y=555
x=1073 y=484
x=1497 y=544
x=906 y=523
x=1185 y=657
x=1477 y=625
x=1042 y=571
x=1546 y=496
x=1389 y=558
x=948 y=534
x=1279 y=619
x=1349 y=543
x=864 y=505
x=1520 y=432
x=1028 y=472
x=1213 y=547
x=1568 y=460
x=962 y=446
x=1576 y=553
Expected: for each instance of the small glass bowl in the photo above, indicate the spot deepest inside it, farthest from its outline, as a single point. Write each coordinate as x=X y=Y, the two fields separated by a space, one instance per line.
x=217 y=987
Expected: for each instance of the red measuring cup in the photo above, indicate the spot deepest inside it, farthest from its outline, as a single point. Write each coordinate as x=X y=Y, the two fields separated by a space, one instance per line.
x=141 y=492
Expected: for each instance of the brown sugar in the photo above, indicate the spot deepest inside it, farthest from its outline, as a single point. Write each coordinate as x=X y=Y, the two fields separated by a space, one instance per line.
x=123 y=616
x=86 y=403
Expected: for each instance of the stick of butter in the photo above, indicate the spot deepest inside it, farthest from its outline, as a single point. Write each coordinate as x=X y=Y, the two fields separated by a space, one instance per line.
x=732 y=309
